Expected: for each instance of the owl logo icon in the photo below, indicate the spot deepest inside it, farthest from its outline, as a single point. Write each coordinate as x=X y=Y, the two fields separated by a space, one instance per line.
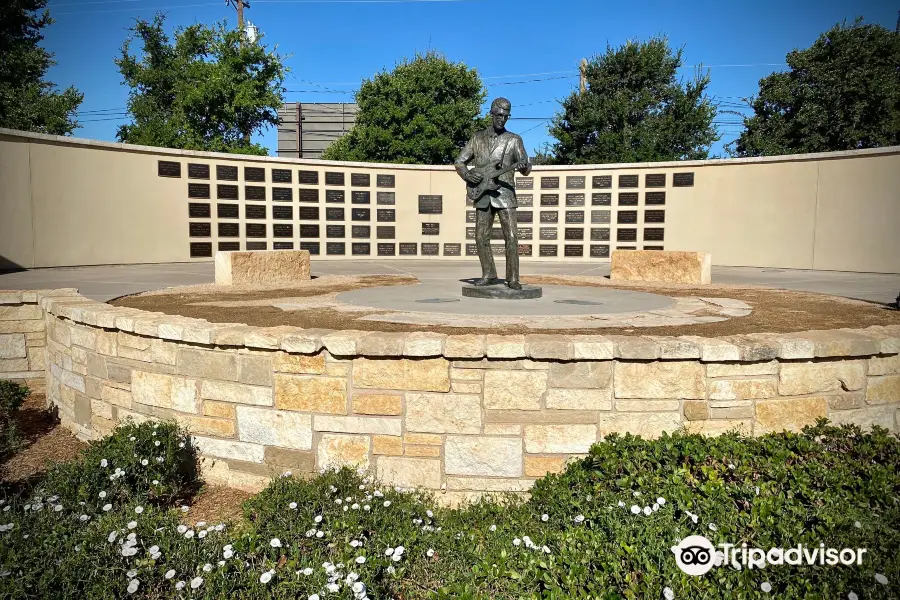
x=695 y=555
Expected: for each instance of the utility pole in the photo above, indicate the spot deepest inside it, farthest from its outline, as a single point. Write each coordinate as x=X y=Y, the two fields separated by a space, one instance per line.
x=583 y=70
x=240 y=5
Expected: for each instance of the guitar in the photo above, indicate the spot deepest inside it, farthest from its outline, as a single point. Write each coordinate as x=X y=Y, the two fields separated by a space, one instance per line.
x=489 y=174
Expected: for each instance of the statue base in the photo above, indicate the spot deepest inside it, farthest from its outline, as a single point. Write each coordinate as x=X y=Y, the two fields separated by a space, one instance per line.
x=499 y=291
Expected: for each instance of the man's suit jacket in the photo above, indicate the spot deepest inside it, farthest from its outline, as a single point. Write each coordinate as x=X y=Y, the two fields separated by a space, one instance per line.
x=486 y=148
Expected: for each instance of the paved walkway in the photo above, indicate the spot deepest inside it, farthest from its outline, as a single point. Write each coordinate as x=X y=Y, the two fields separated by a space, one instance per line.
x=107 y=282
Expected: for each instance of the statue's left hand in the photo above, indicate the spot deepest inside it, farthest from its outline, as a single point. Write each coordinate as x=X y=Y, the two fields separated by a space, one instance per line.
x=526 y=169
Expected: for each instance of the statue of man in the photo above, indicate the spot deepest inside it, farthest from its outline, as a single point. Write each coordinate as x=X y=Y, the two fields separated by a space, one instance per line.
x=491 y=149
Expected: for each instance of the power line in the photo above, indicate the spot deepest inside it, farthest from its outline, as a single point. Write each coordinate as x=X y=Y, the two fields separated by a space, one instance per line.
x=93 y=12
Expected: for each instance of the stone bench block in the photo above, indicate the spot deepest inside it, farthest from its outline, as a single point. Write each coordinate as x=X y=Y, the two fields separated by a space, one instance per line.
x=262 y=267
x=663 y=266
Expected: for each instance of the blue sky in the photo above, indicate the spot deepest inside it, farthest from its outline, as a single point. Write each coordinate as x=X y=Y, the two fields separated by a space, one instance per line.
x=532 y=60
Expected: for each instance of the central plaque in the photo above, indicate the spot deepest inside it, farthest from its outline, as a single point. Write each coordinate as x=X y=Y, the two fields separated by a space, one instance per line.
x=574 y=233
x=628 y=181
x=452 y=249
x=386 y=215
x=549 y=199
x=654 y=234
x=655 y=180
x=257 y=245
x=360 y=214
x=283 y=212
x=334 y=196
x=255 y=229
x=283 y=245
x=308 y=177
x=431 y=204
x=574 y=199
x=549 y=183
x=549 y=216
x=199 y=211
x=333 y=213
x=359 y=180
x=282 y=230
x=308 y=213
x=548 y=233
x=654 y=216
x=281 y=176
x=470 y=233
x=524 y=216
x=683 y=179
x=599 y=251
x=226 y=172
x=525 y=200
x=361 y=249
x=229 y=230
x=309 y=231
x=547 y=250
x=360 y=197
x=471 y=250
x=574 y=216
x=626 y=235
x=201 y=249
x=198 y=171
x=361 y=231
x=655 y=198
x=430 y=249
x=226 y=192
x=335 y=248
x=628 y=198
x=282 y=194
x=431 y=228
x=573 y=250
x=229 y=246
x=387 y=249
x=525 y=249
x=254 y=192
x=600 y=234
x=525 y=233
x=334 y=231
x=601 y=199
x=254 y=174
x=409 y=249
x=384 y=181
x=601 y=181
x=199 y=229
x=168 y=168
x=198 y=190
x=311 y=247
x=308 y=195
x=333 y=178
x=575 y=182
x=626 y=216
x=524 y=183
x=385 y=232
x=254 y=211
x=385 y=198
x=470 y=216
x=600 y=216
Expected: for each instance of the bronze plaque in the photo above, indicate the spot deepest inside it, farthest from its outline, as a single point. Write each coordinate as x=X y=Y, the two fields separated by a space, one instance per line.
x=524 y=216
x=386 y=215
x=308 y=195
x=498 y=250
x=525 y=233
x=281 y=176
x=653 y=180
x=626 y=216
x=525 y=200
x=628 y=198
x=226 y=172
x=548 y=233
x=254 y=211
x=308 y=213
x=169 y=168
x=601 y=181
x=254 y=174
x=335 y=231
x=308 y=177
x=470 y=216
x=574 y=216
x=226 y=192
x=431 y=249
x=573 y=250
x=198 y=190
x=361 y=249
x=431 y=204
x=385 y=232
x=574 y=199
x=654 y=234
x=200 y=229
x=257 y=245
x=452 y=249
x=524 y=183
x=654 y=216
x=227 y=211
x=575 y=182
x=599 y=251
x=332 y=178
x=547 y=250
x=198 y=171
x=525 y=249
x=229 y=246
x=309 y=231
x=282 y=194
x=600 y=216
x=339 y=248
x=387 y=249
x=601 y=199
x=359 y=180
x=360 y=197
x=333 y=213
x=655 y=198
x=283 y=212
x=409 y=249
x=574 y=233
x=626 y=235
x=311 y=247
x=201 y=249
x=471 y=250
x=470 y=233
x=625 y=248
x=254 y=192
x=283 y=230
x=431 y=228
x=549 y=199
x=384 y=181
x=361 y=231
x=652 y=247
x=255 y=229
x=386 y=198
x=683 y=179
x=360 y=214
x=199 y=211
x=334 y=196
x=496 y=233
x=283 y=245
x=549 y=216
x=229 y=230
x=600 y=234
x=549 y=183
x=628 y=181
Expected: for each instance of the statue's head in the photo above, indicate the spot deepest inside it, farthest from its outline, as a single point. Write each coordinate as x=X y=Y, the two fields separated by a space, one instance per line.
x=500 y=109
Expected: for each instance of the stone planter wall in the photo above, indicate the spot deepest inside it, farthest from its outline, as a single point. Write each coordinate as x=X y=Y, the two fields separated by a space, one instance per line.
x=461 y=414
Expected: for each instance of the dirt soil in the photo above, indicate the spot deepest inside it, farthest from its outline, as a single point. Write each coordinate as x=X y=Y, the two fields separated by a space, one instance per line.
x=774 y=310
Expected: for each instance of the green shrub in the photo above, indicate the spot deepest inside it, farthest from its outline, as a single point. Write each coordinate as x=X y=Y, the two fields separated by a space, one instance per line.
x=12 y=395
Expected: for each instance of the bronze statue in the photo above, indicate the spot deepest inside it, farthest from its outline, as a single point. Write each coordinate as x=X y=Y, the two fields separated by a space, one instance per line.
x=495 y=153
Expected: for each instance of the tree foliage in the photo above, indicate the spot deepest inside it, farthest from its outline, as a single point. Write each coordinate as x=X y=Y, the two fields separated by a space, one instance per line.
x=635 y=109
x=841 y=93
x=422 y=112
x=27 y=101
x=208 y=91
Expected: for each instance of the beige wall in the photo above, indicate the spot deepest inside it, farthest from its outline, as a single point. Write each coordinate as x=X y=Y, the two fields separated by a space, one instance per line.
x=66 y=202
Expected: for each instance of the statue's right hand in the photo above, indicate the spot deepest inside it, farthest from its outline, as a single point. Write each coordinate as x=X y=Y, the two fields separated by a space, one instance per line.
x=473 y=177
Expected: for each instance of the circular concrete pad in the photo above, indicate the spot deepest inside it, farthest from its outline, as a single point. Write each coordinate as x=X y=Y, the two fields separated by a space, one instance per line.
x=501 y=292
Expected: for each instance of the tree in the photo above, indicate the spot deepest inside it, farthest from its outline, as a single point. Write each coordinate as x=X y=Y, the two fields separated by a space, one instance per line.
x=841 y=93
x=27 y=101
x=208 y=91
x=634 y=110
x=422 y=112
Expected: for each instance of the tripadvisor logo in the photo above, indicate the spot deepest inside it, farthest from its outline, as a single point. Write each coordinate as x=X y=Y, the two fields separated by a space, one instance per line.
x=696 y=555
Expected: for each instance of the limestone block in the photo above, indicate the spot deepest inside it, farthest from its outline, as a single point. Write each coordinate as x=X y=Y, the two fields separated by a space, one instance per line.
x=425 y=374
x=218 y=471
x=742 y=389
x=311 y=393
x=274 y=427
x=255 y=369
x=714 y=350
x=671 y=348
x=592 y=347
x=339 y=450
x=116 y=396
x=377 y=404
x=842 y=343
x=21 y=326
x=540 y=416
x=882 y=415
x=222 y=410
x=294 y=460
x=514 y=389
x=482 y=455
x=741 y=369
x=231 y=336
x=21 y=312
x=164 y=391
x=881 y=365
x=555 y=347
x=425 y=451
x=743 y=410
x=789 y=413
x=12 y=345
x=206 y=425
x=118 y=373
x=388 y=445
x=580 y=399
x=68 y=378
x=696 y=410
x=646 y=425
x=718 y=427
x=559 y=439
x=163 y=352
x=268 y=266
x=502 y=429
x=883 y=390
x=662 y=380
x=268 y=338
x=635 y=347
x=443 y=413
x=207 y=364
x=409 y=472
x=102 y=409
x=465 y=387
x=647 y=405
x=424 y=439
x=796 y=379
x=375 y=425
x=464 y=346
x=342 y=343
x=423 y=343
x=10 y=365
x=381 y=344
x=792 y=346
x=504 y=346
x=306 y=341
x=299 y=363
x=538 y=466
x=229 y=449
x=592 y=374
x=665 y=266
x=846 y=401
x=83 y=336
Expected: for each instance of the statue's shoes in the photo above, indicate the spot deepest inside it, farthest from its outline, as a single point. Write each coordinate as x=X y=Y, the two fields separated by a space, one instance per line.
x=485 y=281
x=514 y=285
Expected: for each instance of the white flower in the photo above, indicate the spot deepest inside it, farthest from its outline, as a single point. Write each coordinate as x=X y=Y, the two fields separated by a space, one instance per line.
x=132 y=524
x=130 y=574
x=265 y=577
x=156 y=443
x=661 y=501
x=103 y=463
x=112 y=537
x=133 y=586
x=153 y=549
x=207 y=568
x=881 y=579
x=275 y=543
x=545 y=517
x=712 y=527
x=318 y=519
x=170 y=574
x=360 y=560
x=185 y=508
x=387 y=503
x=145 y=462
x=202 y=534
x=355 y=506
x=647 y=510
x=156 y=482
x=621 y=504
x=226 y=554
x=668 y=594
x=320 y=534
x=852 y=596
x=196 y=582
x=358 y=587
x=391 y=569
x=333 y=588
x=388 y=551
x=107 y=507
x=635 y=494
x=579 y=519
x=138 y=509
x=58 y=508
x=83 y=518
x=367 y=507
x=635 y=509
x=493 y=528
x=516 y=542
x=181 y=445
x=189 y=534
x=766 y=586
x=857 y=524
x=179 y=585
x=292 y=505
x=378 y=494
x=307 y=571
x=182 y=528
x=338 y=501
x=545 y=549
x=430 y=552
x=313 y=597
x=129 y=551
